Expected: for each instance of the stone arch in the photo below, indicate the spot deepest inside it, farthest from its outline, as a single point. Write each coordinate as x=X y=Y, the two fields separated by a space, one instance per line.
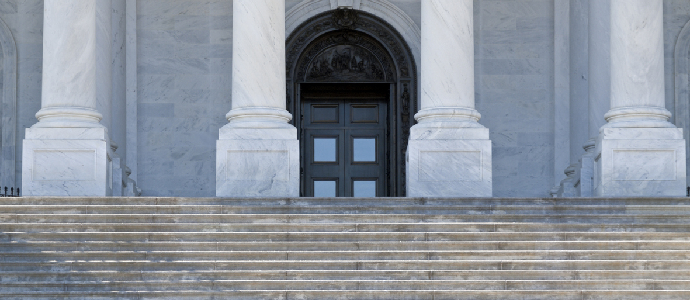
x=682 y=86
x=383 y=9
x=368 y=33
x=9 y=108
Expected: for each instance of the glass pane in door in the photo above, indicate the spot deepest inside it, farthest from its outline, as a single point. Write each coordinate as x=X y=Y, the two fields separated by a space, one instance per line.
x=364 y=149
x=325 y=188
x=325 y=149
x=364 y=188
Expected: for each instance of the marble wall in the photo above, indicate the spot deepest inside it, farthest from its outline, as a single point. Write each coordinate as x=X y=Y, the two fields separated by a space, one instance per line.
x=25 y=20
x=676 y=15
x=184 y=79
x=514 y=91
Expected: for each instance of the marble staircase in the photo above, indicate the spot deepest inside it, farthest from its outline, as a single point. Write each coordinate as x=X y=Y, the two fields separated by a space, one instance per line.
x=306 y=248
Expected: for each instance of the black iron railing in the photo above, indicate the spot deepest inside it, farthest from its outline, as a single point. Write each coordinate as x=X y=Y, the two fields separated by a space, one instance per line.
x=9 y=192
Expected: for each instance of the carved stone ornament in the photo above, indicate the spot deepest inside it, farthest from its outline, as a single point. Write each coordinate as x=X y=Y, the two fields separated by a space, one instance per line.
x=345 y=18
x=345 y=63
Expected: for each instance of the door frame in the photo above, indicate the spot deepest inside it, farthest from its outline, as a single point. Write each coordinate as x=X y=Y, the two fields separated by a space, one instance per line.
x=384 y=45
x=357 y=92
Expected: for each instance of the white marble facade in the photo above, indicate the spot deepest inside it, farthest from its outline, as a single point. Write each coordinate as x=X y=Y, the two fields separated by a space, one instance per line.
x=534 y=70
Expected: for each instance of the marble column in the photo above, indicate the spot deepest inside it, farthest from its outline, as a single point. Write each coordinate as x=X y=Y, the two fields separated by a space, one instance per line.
x=258 y=151
x=599 y=87
x=67 y=153
x=449 y=152
x=639 y=153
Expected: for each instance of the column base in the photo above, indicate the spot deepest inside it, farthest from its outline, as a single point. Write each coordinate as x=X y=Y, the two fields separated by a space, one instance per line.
x=257 y=162
x=449 y=162
x=67 y=162
x=637 y=162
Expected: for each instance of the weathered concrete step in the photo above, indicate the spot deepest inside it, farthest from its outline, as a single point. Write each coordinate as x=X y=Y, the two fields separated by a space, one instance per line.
x=201 y=264
x=340 y=218
x=353 y=255
x=353 y=202
x=341 y=236
x=350 y=210
x=356 y=227
x=361 y=295
x=202 y=275
x=221 y=285
x=341 y=246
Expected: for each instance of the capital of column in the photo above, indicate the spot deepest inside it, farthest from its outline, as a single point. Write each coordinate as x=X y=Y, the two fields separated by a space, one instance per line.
x=638 y=117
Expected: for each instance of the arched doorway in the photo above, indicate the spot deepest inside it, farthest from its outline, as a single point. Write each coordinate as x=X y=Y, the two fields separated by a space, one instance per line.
x=352 y=91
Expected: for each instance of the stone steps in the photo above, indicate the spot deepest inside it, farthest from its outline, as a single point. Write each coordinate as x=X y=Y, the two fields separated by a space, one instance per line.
x=341 y=236
x=352 y=255
x=369 y=294
x=340 y=227
x=350 y=246
x=352 y=212
x=337 y=219
x=209 y=275
x=271 y=203
x=352 y=265
x=306 y=248
x=282 y=285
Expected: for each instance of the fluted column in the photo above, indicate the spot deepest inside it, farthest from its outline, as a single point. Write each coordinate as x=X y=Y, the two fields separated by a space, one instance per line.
x=449 y=152
x=258 y=150
x=640 y=152
x=67 y=152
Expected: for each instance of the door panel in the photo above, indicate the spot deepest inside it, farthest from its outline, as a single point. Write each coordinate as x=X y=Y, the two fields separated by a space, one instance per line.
x=344 y=144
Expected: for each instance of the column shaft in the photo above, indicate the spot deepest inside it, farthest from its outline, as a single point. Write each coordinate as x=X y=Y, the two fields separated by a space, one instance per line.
x=447 y=68
x=68 y=96
x=258 y=63
x=452 y=61
x=637 y=65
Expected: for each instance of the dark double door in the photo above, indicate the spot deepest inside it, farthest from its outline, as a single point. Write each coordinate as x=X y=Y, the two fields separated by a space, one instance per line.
x=344 y=144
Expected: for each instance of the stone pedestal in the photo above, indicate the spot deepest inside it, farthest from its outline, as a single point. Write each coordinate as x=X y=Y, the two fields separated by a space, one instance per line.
x=257 y=154
x=257 y=162
x=67 y=162
x=640 y=162
x=449 y=152
x=449 y=162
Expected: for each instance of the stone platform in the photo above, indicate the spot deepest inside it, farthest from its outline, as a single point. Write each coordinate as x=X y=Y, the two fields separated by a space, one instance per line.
x=307 y=248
